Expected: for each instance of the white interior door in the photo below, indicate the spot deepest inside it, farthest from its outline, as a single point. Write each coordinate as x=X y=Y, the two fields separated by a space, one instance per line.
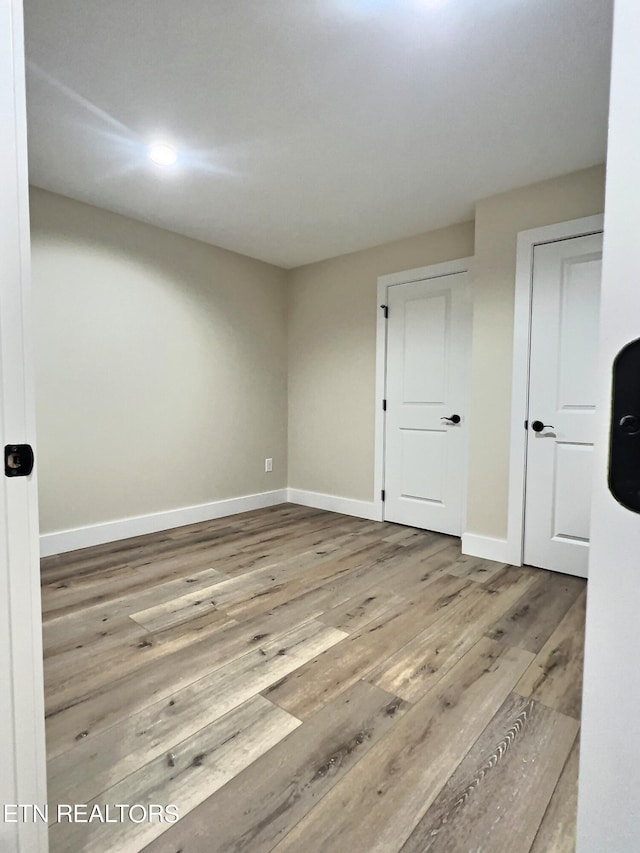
x=23 y=773
x=428 y=335
x=565 y=311
x=609 y=788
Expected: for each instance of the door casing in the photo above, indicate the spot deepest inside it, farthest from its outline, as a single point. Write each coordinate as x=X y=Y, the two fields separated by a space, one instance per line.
x=384 y=283
x=527 y=241
x=22 y=737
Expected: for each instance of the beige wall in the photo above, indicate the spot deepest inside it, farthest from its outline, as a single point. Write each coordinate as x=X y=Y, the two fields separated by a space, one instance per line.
x=161 y=368
x=498 y=220
x=332 y=319
x=162 y=363
x=332 y=342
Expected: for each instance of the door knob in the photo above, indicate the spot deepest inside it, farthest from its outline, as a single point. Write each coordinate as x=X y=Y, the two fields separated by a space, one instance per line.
x=630 y=424
x=538 y=426
x=453 y=419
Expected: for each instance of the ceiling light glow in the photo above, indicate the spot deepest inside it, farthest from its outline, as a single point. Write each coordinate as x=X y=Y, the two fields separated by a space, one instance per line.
x=163 y=154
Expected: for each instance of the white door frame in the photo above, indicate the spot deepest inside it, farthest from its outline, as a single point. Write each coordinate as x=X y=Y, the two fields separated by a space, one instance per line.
x=527 y=241
x=22 y=745
x=384 y=283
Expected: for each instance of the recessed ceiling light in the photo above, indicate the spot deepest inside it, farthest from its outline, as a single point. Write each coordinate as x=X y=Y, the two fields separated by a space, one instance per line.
x=163 y=154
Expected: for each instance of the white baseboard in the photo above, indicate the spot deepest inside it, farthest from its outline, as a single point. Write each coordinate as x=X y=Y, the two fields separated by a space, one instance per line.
x=485 y=547
x=112 y=531
x=60 y=542
x=332 y=503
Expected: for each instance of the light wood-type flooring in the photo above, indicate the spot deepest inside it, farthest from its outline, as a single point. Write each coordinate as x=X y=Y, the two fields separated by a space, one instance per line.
x=297 y=680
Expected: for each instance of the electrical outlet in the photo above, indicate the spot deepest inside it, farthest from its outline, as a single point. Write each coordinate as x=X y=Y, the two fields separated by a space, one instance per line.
x=268 y=465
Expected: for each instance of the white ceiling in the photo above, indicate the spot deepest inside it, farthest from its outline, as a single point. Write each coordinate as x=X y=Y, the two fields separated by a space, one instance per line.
x=310 y=128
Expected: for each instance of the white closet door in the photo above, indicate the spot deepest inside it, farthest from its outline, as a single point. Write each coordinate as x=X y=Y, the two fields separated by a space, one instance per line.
x=428 y=337
x=562 y=395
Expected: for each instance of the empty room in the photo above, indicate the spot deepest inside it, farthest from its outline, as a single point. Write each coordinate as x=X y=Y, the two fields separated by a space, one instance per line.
x=322 y=425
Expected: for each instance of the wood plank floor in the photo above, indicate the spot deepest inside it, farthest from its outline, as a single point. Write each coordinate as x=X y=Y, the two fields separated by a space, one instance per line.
x=297 y=680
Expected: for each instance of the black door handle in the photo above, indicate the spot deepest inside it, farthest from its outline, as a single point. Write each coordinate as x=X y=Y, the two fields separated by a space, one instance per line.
x=629 y=424
x=18 y=460
x=624 y=438
x=453 y=419
x=538 y=426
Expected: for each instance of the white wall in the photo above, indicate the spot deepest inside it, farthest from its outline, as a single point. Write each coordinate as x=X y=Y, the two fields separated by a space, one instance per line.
x=161 y=368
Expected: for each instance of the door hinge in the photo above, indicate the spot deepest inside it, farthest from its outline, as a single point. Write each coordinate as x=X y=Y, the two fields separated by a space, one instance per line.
x=526 y=424
x=385 y=308
x=18 y=460
x=382 y=494
x=384 y=405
